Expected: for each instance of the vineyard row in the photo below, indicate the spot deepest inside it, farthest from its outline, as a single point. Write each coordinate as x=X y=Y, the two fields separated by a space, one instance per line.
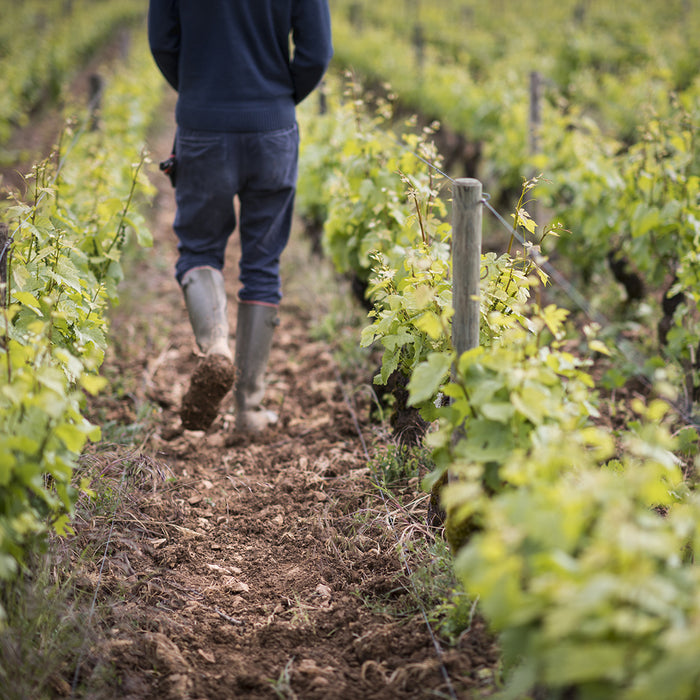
x=577 y=542
x=64 y=268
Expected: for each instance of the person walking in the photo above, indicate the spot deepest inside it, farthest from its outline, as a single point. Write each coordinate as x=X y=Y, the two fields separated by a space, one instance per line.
x=238 y=78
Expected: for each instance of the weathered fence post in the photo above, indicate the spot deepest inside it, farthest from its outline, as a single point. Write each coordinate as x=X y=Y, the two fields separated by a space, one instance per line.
x=322 y=99
x=419 y=47
x=466 y=283
x=355 y=15
x=96 y=89
x=466 y=262
x=535 y=129
x=125 y=42
x=535 y=110
x=466 y=288
x=580 y=11
x=4 y=248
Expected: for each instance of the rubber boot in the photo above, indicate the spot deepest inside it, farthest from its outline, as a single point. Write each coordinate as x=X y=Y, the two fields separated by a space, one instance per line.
x=256 y=326
x=205 y=298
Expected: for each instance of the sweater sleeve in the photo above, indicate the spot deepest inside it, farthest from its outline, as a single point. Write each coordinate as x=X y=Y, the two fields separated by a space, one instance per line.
x=164 y=37
x=313 y=49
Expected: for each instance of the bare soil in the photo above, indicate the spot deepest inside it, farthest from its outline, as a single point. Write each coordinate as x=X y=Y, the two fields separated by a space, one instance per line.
x=253 y=568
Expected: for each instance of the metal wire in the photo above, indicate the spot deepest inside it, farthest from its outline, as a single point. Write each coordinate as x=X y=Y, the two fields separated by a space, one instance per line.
x=623 y=346
x=433 y=166
x=568 y=288
x=571 y=291
x=421 y=158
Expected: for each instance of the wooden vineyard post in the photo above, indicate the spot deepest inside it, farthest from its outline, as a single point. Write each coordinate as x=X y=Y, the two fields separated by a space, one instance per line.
x=419 y=47
x=355 y=15
x=322 y=99
x=535 y=111
x=4 y=248
x=96 y=88
x=466 y=268
x=535 y=128
x=466 y=262
x=580 y=11
x=466 y=286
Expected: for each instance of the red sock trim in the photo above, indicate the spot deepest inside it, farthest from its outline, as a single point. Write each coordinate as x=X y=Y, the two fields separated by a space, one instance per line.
x=259 y=303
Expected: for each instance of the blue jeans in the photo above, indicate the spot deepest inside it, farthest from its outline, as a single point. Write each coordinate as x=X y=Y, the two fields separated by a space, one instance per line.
x=213 y=167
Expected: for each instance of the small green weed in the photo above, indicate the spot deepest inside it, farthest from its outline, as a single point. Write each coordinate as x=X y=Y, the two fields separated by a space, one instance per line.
x=395 y=467
x=43 y=636
x=425 y=581
x=132 y=430
x=282 y=685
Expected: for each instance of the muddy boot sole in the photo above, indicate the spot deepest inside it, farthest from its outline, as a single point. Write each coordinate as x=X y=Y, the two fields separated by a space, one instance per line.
x=211 y=380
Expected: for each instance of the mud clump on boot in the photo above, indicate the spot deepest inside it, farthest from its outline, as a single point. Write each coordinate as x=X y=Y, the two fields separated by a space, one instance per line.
x=210 y=382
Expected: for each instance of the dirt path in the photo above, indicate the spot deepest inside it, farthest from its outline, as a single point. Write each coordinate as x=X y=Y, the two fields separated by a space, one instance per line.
x=240 y=569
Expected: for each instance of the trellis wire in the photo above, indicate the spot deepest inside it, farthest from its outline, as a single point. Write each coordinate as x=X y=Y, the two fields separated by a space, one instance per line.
x=566 y=286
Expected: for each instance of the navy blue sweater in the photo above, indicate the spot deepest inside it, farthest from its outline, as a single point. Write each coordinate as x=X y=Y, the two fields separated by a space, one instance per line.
x=230 y=60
